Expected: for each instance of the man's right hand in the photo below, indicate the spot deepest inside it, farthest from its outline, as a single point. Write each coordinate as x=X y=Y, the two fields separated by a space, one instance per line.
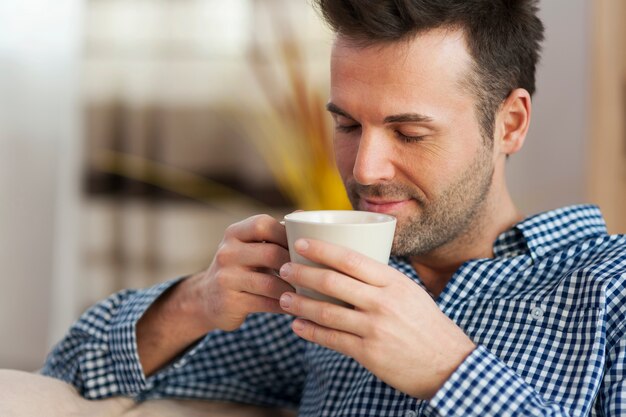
x=242 y=279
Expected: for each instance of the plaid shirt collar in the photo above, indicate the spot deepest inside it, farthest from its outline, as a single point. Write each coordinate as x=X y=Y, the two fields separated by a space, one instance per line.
x=551 y=231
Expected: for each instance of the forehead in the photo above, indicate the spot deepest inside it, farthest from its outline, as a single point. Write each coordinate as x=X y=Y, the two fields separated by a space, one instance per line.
x=433 y=63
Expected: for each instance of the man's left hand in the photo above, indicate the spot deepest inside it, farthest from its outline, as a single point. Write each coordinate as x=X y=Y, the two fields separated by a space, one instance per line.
x=395 y=330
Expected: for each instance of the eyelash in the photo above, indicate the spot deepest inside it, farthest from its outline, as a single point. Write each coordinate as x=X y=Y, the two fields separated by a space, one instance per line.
x=403 y=138
x=347 y=129
x=409 y=139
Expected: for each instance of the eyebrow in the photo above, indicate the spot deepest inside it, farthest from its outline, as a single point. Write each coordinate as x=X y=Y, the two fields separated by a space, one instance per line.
x=333 y=108
x=397 y=118
x=408 y=117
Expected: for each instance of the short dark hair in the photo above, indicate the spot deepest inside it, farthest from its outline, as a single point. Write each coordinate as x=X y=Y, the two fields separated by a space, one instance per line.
x=503 y=37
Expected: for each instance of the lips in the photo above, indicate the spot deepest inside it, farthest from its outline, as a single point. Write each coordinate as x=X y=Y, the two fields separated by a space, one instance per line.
x=383 y=206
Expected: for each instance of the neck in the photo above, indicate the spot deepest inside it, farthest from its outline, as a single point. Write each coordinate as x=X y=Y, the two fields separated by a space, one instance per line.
x=497 y=215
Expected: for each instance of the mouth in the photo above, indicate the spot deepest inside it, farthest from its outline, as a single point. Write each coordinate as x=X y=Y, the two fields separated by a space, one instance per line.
x=383 y=206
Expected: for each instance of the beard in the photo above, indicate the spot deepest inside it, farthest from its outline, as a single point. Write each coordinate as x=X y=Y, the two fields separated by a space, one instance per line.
x=447 y=217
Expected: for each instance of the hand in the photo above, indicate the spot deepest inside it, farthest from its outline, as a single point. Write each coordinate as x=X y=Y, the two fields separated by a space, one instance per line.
x=242 y=277
x=241 y=280
x=395 y=329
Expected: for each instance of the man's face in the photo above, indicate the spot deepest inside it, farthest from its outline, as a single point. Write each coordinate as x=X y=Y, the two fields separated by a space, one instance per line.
x=407 y=139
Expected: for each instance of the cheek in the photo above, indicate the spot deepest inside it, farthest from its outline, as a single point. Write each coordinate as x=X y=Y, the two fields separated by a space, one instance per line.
x=345 y=156
x=430 y=170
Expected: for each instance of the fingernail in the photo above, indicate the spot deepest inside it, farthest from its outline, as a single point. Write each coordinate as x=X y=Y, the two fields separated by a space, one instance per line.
x=301 y=245
x=298 y=325
x=285 y=270
x=285 y=301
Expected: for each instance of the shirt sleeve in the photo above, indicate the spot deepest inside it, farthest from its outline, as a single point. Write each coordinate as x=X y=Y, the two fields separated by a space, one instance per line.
x=98 y=355
x=260 y=363
x=484 y=386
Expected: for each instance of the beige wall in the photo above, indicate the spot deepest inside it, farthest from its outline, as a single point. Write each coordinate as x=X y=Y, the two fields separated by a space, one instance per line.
x=38 y=144
x=550 y=170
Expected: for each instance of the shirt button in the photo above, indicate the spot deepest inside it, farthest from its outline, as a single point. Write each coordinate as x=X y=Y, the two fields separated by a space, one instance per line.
x=179 y=364
x=410 y=413
x=541 y=251
x=536 y=313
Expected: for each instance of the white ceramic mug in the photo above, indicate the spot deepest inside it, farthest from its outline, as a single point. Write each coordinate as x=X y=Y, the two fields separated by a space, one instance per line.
x=368 y=233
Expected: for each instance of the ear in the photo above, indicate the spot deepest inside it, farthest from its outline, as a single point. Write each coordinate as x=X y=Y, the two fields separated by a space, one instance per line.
x=513 y=121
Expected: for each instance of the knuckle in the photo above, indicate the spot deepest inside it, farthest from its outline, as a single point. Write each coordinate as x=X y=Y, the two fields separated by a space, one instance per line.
x=326 y=315
x=330 y=338
x=223 y=255
x=221 y=278
x=231 y=230
x=328 y=281
x=261 y=223
x=353 y=260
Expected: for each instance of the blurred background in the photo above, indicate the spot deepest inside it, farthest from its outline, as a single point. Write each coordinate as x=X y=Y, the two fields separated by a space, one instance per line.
x=132 y=132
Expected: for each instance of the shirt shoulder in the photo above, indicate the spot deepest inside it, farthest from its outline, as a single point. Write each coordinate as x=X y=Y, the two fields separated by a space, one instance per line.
x=603 y=270
x=604 y=257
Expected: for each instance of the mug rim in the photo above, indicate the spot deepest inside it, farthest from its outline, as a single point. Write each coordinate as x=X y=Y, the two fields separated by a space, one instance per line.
x=380 y=218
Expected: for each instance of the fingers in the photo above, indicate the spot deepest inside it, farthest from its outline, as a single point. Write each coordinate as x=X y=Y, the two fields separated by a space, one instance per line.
x=260 y=304
x=346 y=343
x=326 y=314
x=242 y=280
x=262 y=284
x=254 y=255
x=260 y=228
x=344 y=260
x=327 y=282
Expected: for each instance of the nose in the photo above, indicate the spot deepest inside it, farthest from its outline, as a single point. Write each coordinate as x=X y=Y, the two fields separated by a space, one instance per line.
x=374 y=159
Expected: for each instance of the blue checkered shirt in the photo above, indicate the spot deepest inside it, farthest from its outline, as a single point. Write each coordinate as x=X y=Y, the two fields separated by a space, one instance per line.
x=548 y=314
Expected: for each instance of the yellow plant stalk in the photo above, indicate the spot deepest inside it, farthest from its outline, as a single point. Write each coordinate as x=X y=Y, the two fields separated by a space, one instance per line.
x=295 y=138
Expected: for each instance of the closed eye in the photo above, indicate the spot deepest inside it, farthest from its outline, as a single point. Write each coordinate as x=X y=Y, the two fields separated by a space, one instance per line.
x=407 y=138
x=347 y=128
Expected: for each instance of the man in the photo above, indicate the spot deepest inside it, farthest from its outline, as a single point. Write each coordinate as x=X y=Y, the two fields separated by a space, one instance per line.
x=480 y=311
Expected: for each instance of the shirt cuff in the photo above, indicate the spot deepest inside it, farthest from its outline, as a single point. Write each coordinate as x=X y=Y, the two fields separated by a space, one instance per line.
x=123 y=339
x=483 y=385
